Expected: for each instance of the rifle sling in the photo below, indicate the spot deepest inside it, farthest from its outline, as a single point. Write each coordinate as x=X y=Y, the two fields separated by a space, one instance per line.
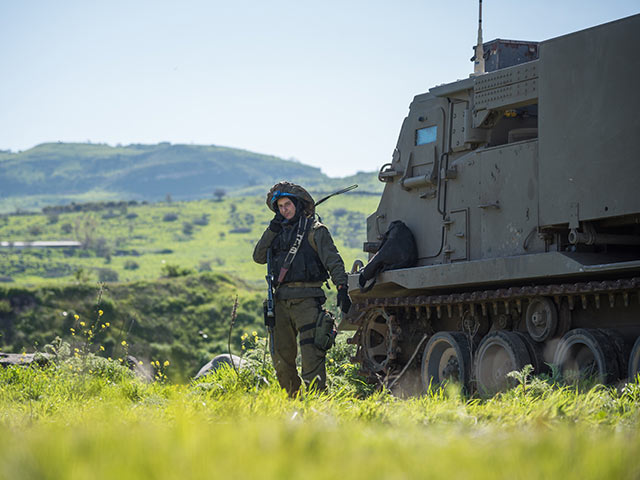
x=303 y=224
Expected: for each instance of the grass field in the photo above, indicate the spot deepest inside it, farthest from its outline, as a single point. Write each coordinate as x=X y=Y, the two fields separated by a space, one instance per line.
x=139 y=242
x=82 y=418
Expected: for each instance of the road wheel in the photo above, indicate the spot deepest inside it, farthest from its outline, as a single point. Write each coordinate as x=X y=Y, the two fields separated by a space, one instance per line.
x=499 y=353
x=447 y=357
x=587 y=354
x=536 y=353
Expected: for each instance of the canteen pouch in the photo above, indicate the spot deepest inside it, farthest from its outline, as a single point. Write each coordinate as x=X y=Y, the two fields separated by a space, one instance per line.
x=326 y=331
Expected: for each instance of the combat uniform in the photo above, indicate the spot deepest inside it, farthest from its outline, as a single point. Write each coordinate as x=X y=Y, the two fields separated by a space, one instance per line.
x=299 y=298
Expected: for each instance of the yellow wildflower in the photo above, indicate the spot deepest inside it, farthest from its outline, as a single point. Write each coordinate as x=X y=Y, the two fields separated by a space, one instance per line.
x=123 y=343
x=101 y=348
x=100 y=313
x=140 y=362
x=254 y=333
x=76 y=316
x=82 y=324
x=107 y=324
x=166 y=363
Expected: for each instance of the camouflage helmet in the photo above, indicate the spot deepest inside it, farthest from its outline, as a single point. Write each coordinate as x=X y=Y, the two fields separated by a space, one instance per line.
x=288 y=189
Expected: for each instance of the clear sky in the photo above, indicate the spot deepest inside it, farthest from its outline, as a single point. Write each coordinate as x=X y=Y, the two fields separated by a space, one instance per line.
x=327 y=83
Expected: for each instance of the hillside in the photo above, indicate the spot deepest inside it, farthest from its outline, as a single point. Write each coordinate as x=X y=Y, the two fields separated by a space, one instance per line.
x=184 y=319
x=61 y=173
x=131 y=242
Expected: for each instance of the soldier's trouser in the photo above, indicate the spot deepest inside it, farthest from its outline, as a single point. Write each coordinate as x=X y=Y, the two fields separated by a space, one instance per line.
x=293 y=316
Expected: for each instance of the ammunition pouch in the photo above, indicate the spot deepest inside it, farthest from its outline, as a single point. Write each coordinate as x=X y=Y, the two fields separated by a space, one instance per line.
x=326 y=331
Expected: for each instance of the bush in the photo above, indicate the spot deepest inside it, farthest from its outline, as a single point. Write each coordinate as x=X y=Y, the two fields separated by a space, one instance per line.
x=66 y=228
x=35 y=230
x=107 y=275
x=131 y=265
x=170 y=217
x=169 y=270
x=205 y=266
x=187 y=228
x=101 y=247
x=203 y=220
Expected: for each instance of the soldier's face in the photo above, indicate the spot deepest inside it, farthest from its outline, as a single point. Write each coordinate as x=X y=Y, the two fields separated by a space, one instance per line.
x=286 y=207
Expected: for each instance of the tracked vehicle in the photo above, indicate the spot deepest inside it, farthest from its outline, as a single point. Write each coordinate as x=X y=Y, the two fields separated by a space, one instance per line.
x=521 y=188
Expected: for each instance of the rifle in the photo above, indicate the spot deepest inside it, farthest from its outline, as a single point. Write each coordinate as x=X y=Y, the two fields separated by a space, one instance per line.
x=269 y=312
x=339 y=192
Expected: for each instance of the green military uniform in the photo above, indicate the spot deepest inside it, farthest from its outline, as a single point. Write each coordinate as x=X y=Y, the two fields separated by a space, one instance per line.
x=299 y=297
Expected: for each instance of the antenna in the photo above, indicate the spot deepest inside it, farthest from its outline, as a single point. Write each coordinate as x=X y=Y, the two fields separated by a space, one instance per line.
x=478 y=58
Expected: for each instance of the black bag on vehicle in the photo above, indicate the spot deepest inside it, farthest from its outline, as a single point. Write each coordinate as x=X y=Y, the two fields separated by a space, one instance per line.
x=397 y=250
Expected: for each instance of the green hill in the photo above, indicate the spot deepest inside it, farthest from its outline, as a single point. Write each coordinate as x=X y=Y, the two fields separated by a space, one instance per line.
x=184 y=319
x=61 y=173
x=123 y=241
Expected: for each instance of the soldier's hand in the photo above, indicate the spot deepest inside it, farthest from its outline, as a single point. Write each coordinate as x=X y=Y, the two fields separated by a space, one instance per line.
x=276 y=223
x=344 y=302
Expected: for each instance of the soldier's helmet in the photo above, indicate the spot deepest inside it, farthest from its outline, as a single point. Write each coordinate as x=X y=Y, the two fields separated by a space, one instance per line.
x=288 y=189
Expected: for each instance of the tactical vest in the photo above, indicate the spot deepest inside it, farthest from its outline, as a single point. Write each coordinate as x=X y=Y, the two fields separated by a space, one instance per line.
x=306 y=266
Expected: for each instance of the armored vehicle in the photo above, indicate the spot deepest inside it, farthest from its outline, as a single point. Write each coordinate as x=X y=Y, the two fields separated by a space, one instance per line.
x=520 y=186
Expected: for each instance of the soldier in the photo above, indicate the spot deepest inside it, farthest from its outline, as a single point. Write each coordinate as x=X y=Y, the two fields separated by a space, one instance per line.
x=302 y=257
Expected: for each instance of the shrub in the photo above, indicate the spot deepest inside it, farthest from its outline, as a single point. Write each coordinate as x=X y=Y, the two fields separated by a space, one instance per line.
x=35 y=230
x=203 y=220
x=101 y=247
x=205 y=266
x=107 y=275
x=170 y=270
x=170 y=217
x=131 y=265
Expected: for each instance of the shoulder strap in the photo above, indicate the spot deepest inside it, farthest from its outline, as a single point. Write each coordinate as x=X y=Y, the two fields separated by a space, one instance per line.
x=312 y=239
x=303 y=225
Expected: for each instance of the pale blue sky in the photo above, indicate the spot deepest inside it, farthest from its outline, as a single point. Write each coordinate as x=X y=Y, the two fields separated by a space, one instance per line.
x=327 y=83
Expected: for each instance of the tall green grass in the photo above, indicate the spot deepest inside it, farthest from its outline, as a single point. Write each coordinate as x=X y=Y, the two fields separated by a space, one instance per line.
x=87 y=418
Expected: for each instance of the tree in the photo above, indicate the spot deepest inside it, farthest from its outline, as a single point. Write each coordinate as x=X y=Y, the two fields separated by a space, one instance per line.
x=219 y=193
